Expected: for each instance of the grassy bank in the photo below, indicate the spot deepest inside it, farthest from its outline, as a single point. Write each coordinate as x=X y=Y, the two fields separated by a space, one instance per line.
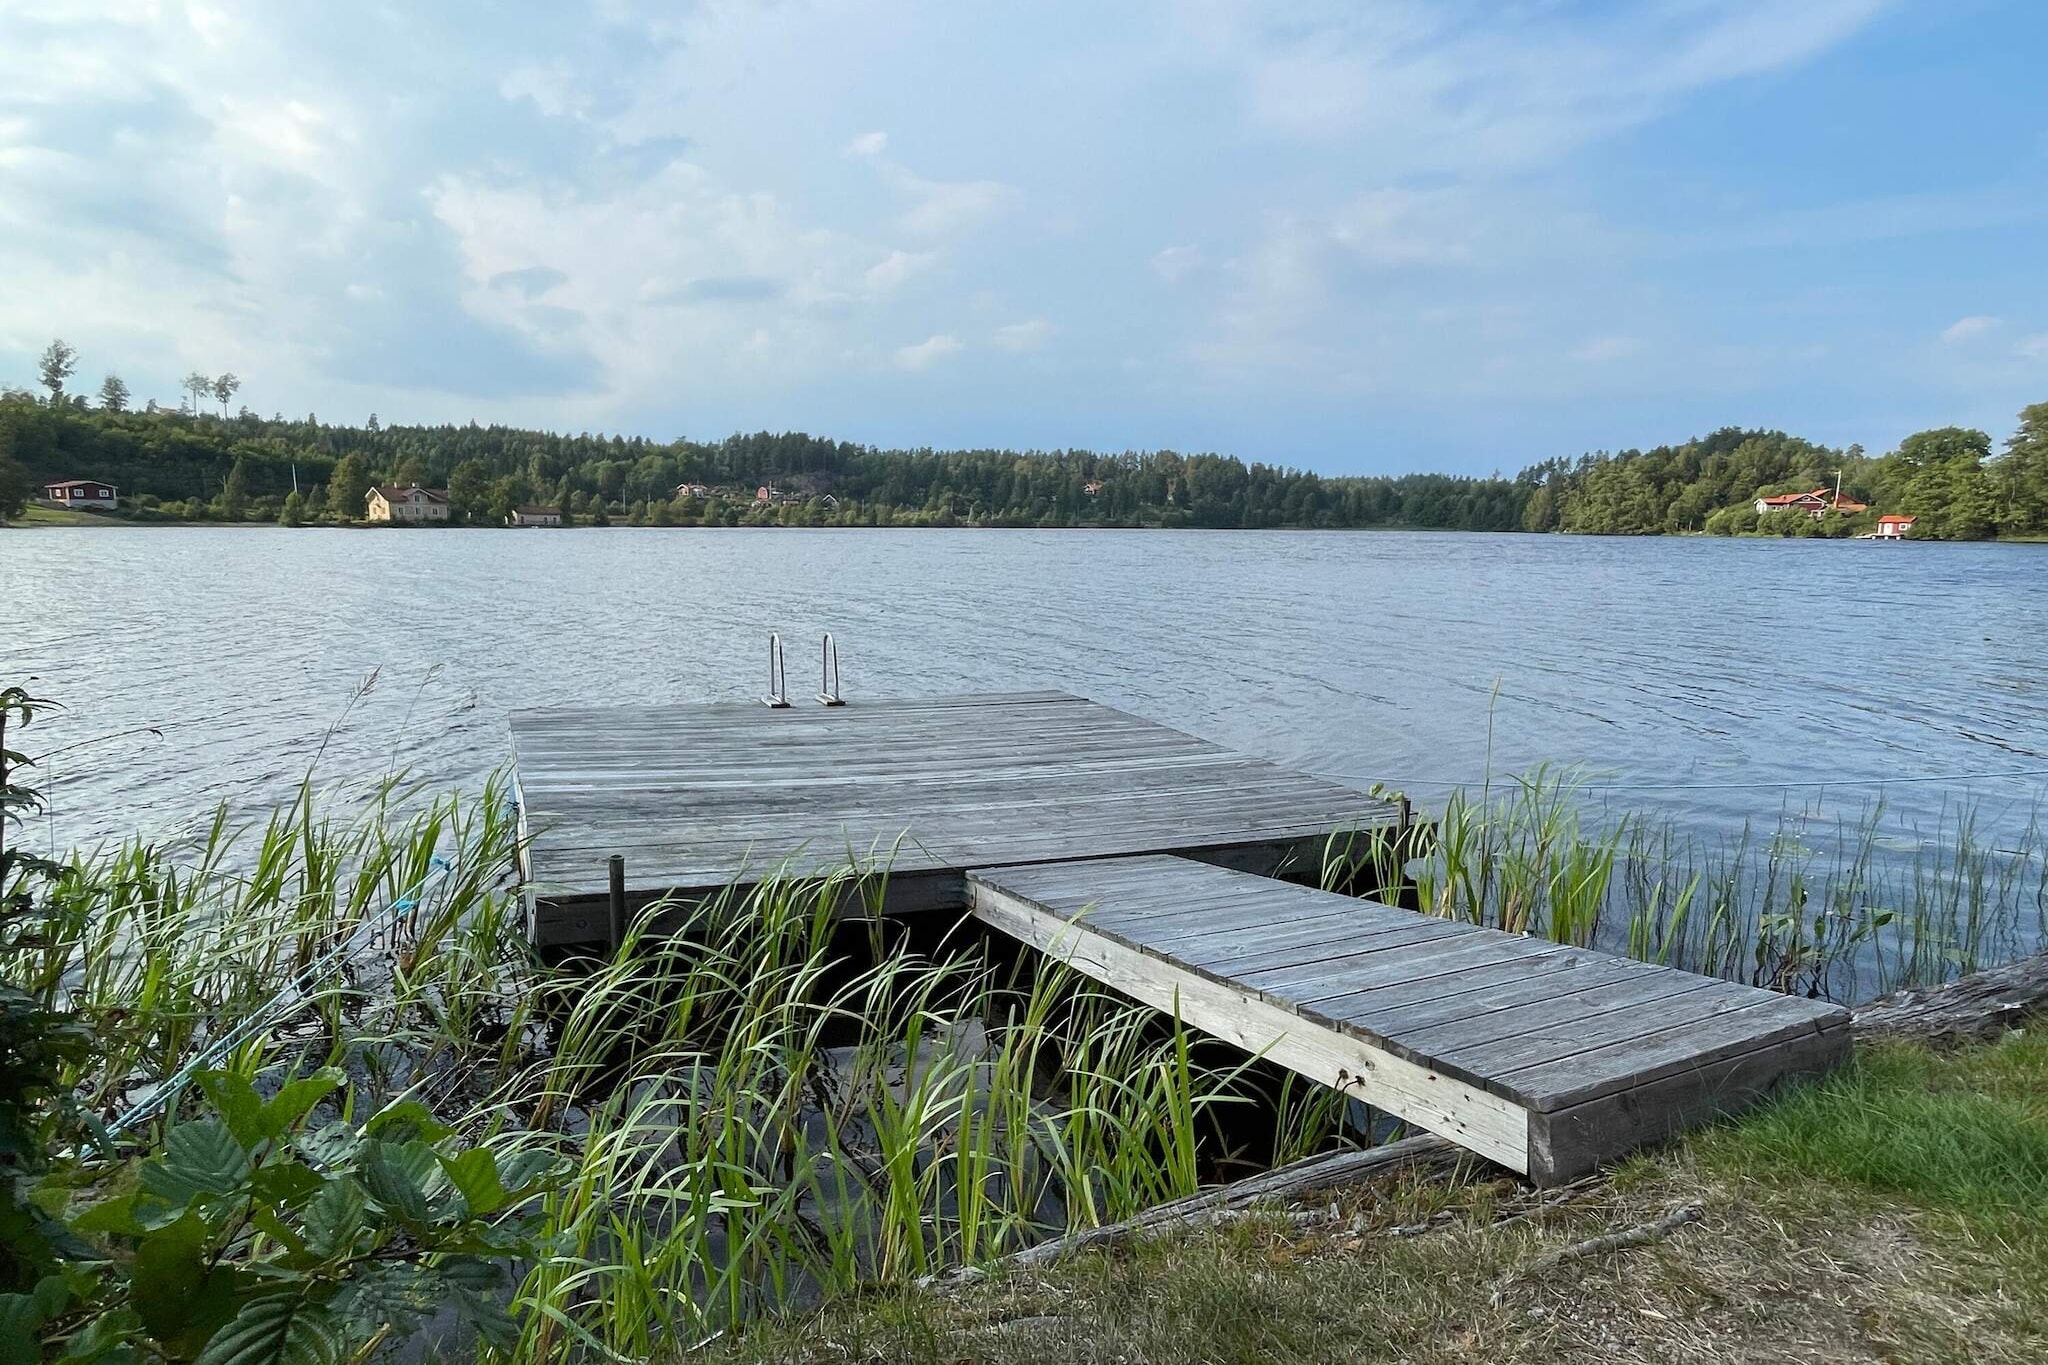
x=775 y=1104
x=1898 y=1212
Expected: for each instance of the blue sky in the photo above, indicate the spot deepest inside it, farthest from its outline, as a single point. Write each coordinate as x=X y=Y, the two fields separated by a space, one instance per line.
x=1368 y=236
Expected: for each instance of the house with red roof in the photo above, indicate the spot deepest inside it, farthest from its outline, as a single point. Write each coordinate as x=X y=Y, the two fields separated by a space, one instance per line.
x=1894 y=527
x=1815 y=504
x=76 y=494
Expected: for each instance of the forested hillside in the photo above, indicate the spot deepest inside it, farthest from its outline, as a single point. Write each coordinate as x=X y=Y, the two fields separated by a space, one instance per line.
x=180 y=465
x=187 y=463
x=1948 y=480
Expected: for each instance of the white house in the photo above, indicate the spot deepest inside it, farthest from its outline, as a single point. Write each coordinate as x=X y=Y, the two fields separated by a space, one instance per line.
x=534 y=516
x=390 y=502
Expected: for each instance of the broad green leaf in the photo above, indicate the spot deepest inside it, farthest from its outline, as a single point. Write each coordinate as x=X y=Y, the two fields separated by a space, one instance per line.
x=392 y=1181
x=21 y=1317
x=334 y=1217
x=284 y=1183
x=474 y=1174
x=266 y=1221
x=170 y=1267
x=277 y=1329
x=200 y=1158
x=524 y=1171
x=103 y=1341
x=295 y=1099
x=129 y=1214
x=330 y=1145
x=234 y=1098
x=406 y=1121
x=476 y=1287
x=399 y=1294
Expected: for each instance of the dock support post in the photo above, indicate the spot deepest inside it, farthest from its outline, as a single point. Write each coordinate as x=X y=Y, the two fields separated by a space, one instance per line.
x=617 y=870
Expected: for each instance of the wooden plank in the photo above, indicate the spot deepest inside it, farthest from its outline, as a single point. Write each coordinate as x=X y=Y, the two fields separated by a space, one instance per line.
x=1543 y=1027
x=1676 y=1044
x=698 y=795
x=1484 y=1123
x=1569 y=1142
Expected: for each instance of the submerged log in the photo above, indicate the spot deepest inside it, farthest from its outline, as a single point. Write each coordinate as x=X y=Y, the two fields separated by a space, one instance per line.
x=1983 y=1005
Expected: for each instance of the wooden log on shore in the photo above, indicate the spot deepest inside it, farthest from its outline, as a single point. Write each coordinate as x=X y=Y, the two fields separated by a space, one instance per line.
x=1981 y=1006
x=1330 y=1170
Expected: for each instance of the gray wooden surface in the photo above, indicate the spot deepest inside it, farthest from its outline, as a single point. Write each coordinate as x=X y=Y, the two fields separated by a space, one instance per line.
x=699 y=796
x=1602 y=1053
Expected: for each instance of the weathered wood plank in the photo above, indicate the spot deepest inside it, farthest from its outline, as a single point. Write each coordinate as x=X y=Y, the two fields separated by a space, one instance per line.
x=1541 y=1026
x=1481 y=1122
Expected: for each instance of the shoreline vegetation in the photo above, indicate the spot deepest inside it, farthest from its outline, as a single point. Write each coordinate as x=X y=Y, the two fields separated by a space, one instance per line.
x=760 y=1136
x=184 y=465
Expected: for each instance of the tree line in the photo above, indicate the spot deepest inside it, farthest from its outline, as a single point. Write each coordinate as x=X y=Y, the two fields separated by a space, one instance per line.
x=189 y=463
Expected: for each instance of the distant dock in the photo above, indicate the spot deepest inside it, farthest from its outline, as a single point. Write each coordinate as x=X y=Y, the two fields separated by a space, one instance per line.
x=1147 y=858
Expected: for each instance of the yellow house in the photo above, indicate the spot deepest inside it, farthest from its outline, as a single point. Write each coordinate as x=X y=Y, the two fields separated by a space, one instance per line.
x=390 y=502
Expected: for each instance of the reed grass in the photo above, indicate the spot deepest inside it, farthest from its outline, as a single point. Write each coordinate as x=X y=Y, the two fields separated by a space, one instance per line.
x=763 y=1107
x=1842 y=908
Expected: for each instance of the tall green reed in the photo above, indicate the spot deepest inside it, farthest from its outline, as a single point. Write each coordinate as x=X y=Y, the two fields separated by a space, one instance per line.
x=1842 y=907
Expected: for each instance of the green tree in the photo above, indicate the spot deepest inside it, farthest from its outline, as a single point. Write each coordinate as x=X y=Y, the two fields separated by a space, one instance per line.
x=224 y=389
x=114 y=394
x=198 y=385
x=57 y=364
x=469 y=492
x=348 y=488
x=15 y=488
x=2022 y=476
x=1939 y=478
x=294 y=513
x=234 y=494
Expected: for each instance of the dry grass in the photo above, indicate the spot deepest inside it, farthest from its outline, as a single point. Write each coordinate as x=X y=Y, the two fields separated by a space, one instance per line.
x=1784 y=1264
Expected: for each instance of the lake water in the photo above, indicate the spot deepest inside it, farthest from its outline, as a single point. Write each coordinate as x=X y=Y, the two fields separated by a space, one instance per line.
x=1714 y=680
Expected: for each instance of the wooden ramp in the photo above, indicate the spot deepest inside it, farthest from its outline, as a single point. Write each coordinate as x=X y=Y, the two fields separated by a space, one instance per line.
x=1546 y=1059
x=699 y=797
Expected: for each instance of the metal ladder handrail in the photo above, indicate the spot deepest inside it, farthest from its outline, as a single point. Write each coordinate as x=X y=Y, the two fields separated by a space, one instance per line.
x=828 y=672
x=778 y=693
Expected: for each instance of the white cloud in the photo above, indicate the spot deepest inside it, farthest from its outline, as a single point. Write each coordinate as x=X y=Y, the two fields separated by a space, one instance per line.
x=1966 y=329
x=1176 y=263
x=928 y=352
x=2034 y=347
x=946 y=207
x=1401 y=227
x=868 y=145
x=893 y=269
x=1603 y=348
x=1433 y=88
x=1023 y=336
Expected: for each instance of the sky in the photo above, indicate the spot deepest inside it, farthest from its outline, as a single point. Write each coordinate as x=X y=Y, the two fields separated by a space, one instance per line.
x=1361 y=236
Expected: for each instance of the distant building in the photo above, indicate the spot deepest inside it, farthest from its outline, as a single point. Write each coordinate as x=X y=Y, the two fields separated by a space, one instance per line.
x=764 y=494
x=1092 y=487
x=77 y=493
x=411 y=504
x=1815 y=504
x=693 y=490
x=535 y=516
x=1894 y=528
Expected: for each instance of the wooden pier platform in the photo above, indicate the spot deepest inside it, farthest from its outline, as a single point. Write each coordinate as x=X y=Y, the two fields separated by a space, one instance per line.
x=698 y=797
x=1544 y=1058
x=1144 y=856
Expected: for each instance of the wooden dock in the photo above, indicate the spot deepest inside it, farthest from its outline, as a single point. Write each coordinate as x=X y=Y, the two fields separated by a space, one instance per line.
x=698 y=797
x=1545 y=1058
x=1145 y=857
